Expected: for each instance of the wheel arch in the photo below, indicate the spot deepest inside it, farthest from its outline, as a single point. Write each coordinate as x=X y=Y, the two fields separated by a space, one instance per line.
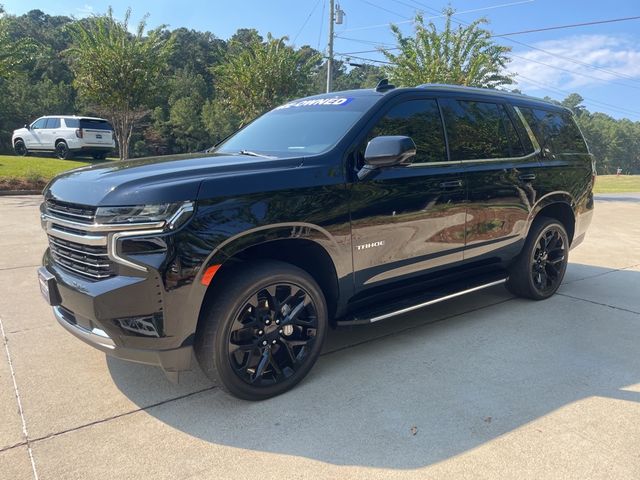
x=308 y=247
x=560 y=206
x=58 y=140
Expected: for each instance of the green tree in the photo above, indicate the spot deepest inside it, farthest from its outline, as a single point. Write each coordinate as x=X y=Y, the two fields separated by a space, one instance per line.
x=116 y=72
x=14 y=53
x=465 y=55
x=261 y=75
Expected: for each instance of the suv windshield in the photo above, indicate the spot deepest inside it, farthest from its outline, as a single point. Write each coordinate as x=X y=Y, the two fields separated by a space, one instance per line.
x=301 y=127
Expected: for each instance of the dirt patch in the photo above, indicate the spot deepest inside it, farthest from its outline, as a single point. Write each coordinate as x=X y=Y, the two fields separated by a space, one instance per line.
x=13 y=184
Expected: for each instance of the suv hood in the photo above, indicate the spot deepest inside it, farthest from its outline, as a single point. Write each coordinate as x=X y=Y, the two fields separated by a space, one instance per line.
x=151 y=180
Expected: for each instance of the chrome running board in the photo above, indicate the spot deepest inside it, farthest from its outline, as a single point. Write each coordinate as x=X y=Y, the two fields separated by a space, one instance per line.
x=425 y=302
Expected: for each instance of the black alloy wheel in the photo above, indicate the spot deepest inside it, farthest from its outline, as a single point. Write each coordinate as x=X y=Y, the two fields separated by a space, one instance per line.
x=262 y=328
x=273 y=334
x=549 y=260
x=62 y=150
x=539 y=269
x=20 y=148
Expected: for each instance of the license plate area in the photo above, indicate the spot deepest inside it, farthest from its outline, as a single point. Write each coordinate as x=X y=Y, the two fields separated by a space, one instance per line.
x=48 y=287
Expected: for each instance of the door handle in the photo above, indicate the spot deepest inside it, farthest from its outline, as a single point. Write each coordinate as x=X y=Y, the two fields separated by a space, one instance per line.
x=527 y=177
x=451 y=184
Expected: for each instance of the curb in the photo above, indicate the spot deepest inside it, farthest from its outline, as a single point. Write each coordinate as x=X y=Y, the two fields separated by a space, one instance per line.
x=6 y=193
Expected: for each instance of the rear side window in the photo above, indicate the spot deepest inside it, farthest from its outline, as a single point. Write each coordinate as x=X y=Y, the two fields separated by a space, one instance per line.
x=95 y=124
x=53 y=123
x=72 y=122
x=479 y=130
x=420 y=120
x=556 y=131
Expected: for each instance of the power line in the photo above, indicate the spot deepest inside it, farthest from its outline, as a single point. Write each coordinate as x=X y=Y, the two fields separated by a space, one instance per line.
x=306 y=21
x=381 y=8
x=576 y=61
x=439 y=14
x=366 y=42
x=324 y=4
x=596 y=22
x=546 y=86
x=610 y=72
x=362 y=58
x=574 y=72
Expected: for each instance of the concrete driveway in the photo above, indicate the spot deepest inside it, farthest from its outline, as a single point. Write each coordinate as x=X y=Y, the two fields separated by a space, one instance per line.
x=487 y=386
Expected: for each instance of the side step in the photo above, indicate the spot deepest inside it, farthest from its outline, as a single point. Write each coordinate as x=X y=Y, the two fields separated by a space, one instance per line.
x=416 y=302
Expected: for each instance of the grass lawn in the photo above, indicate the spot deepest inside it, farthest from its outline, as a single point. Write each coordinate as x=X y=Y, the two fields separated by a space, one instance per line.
x=33 y=173
x=615 y=184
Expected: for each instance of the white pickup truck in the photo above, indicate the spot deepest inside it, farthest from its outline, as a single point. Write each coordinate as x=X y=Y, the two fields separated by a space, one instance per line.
x=65 y=136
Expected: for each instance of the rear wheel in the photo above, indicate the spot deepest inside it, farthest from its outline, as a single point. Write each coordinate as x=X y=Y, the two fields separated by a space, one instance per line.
x=99 y=156
x=539 y=269
x=62 y=150
x=20 y=148
x=263 y=331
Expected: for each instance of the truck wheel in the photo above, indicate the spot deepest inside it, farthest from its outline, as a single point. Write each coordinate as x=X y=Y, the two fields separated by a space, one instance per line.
x=263 y=331
x=62 y=150
x=539 y=269
x=20 y=148
x=99 y=156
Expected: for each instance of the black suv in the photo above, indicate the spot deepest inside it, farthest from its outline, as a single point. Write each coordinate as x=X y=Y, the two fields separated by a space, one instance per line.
x=337 y=209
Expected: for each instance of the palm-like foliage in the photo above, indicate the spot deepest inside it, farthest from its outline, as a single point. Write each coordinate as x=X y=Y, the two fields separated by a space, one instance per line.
x=13 y=53
x=465 y=55
x=262 y=76
x=117 y=72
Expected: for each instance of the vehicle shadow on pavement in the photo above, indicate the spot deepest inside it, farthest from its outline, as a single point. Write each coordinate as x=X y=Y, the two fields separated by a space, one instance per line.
x=433 y=389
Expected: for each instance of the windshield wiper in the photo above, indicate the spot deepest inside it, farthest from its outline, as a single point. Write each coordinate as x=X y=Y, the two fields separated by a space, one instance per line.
x=255 y=154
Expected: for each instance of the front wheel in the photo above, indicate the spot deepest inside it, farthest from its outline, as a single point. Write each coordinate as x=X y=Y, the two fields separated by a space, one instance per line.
x=20 y=148
x=62 y=150
x=539 y=269
x=263 y=331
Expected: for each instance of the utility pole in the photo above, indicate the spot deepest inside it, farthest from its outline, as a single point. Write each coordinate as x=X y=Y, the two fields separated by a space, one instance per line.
x=330 y=49
x=335 y=18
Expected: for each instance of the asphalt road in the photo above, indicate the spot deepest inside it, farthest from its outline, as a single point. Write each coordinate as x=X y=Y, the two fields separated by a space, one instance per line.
x=487 y=386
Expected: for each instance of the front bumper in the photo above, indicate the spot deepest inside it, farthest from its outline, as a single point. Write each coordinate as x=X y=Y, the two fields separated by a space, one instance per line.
x=171 y=361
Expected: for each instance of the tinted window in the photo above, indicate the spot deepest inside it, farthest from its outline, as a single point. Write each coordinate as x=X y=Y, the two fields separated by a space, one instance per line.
x=40 y=123
x=72 y=122
x=555 y=130
x=53 y=123
x=478 y=130
x=95 y=124
x=420 y=120
x=308 y=126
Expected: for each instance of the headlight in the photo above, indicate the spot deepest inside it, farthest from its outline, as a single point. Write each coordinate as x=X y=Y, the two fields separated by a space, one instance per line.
x=175 y=214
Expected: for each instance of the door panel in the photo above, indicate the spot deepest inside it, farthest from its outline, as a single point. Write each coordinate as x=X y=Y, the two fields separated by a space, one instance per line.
x=501 y=196
x=405 y=221
x=49 y=134
x=501 y=167
x=33 y=138
x=408 y=219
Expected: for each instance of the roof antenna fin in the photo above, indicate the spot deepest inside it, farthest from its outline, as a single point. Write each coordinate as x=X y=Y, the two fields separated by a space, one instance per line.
x=384 y=85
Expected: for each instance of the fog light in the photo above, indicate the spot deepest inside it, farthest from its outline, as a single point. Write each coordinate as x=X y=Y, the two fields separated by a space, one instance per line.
x=148 y=325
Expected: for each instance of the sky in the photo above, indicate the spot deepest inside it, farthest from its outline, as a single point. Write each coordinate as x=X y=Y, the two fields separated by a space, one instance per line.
x=600 y=62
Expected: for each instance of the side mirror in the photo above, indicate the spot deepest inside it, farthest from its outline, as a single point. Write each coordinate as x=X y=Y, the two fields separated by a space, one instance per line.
x=27 y=126
x=386 y=151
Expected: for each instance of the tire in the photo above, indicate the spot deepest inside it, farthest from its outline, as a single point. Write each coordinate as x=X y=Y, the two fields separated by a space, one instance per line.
x=255 y=340
x=539 y=269
x=99 y=156
x=62 y=150
x=20 y=148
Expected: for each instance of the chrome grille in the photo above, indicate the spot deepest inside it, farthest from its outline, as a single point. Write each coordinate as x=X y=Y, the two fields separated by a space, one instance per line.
x=91 y=261
x=70 y=211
